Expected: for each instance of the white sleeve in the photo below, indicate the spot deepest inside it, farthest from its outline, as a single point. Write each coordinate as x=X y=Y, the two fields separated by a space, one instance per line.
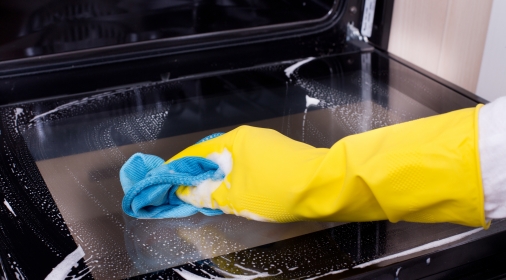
x=492 y=149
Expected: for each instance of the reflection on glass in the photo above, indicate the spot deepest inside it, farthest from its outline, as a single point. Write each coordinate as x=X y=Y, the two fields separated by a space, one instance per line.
x=80 y=146
x=45 y=27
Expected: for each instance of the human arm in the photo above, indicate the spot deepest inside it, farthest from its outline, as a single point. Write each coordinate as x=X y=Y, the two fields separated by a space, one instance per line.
x=426 y=170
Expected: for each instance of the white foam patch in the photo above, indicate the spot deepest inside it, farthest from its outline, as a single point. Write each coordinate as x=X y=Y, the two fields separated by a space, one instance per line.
x=201 y=194
x=310 y=101
x=223 y=159
x=427 y=246
x=289 y=70
x=71 y=104
x=17 y=112
x=6 y=203
x=63 y=269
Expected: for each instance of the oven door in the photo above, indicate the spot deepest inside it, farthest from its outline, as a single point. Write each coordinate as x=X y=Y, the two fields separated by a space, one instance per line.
x=61 y=211
x=86 y=84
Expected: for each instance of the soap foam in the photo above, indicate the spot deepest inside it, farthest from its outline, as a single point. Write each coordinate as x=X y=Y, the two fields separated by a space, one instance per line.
x=311 y=101
x=289 y=70
x=201 y=194
x=223 y=159
x=6 y=203
x=63 y=269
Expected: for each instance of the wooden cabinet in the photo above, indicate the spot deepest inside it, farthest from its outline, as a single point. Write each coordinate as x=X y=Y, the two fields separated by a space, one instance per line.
x=445 y=37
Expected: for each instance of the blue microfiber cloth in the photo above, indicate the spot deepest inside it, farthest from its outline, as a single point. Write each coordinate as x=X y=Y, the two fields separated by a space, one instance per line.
x=150 y=185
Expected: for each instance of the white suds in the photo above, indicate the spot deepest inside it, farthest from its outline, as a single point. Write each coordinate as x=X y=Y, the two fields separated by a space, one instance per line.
x=17 y=113
x=427 y=261
x=6 y=203
x=310 y=101
x=427 y=246
x=223 y=159
x=63 y=269
x=201 y=194
x=64 y=106
x=289 y=70
x=4 y=277
x=71 y=104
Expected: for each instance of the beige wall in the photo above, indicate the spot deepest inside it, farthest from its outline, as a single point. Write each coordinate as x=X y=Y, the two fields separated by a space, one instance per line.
x=492 y=81
x=445 y=37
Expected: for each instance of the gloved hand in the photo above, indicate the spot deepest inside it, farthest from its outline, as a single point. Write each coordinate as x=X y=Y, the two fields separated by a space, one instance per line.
x=425 y=170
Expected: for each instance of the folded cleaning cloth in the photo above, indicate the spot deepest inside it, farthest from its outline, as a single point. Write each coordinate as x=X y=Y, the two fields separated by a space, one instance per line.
x=150 y=185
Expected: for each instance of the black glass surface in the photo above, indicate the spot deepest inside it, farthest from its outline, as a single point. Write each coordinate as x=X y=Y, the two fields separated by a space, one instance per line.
x=34 y=28
x=68 y=152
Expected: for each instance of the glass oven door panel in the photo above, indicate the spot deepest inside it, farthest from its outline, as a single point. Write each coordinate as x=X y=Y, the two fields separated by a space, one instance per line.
x=80 y=145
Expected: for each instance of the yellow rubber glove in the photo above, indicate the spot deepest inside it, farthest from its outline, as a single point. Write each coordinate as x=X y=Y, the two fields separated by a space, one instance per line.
x=425 y=170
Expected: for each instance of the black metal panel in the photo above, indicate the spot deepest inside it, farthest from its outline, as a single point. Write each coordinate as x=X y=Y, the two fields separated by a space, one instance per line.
x=35 y=28
x=167 y=46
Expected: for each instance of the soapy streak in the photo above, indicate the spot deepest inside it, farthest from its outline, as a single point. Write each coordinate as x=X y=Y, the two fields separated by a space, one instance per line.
x=6 y=203
x=201 y=194
x=70 y=104
x=310 y=101
x=397 y=272
x=3 y=269
x=17 y=113
x=63 y=269
x=289 y=70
